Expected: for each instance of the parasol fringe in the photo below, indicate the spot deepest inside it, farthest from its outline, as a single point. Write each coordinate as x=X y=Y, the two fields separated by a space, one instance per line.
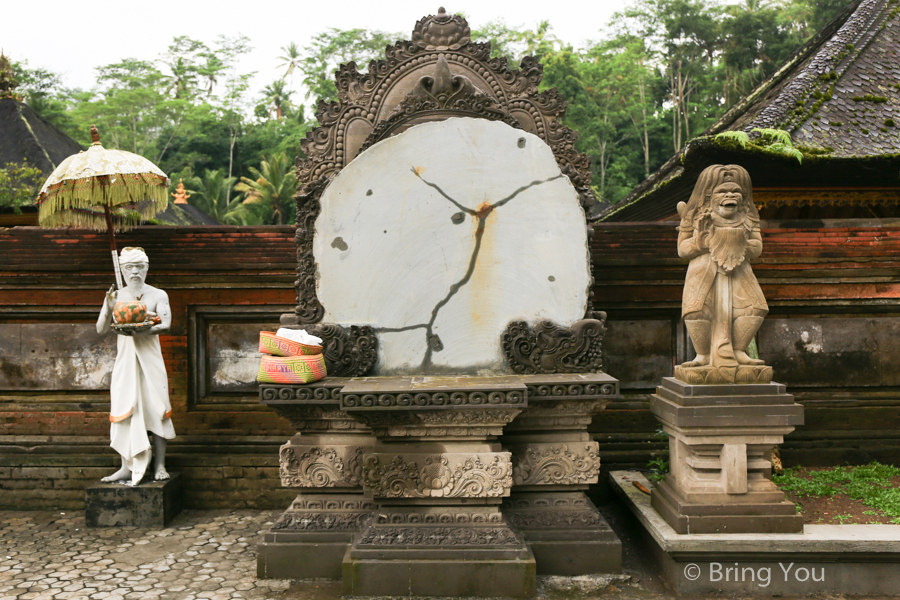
x=80 y=210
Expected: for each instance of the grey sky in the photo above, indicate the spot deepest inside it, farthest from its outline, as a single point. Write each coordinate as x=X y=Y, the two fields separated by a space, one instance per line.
x=74 y=38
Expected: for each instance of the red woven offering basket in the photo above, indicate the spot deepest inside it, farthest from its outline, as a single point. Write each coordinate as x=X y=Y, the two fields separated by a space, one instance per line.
x=291 y=369
x=275 y=345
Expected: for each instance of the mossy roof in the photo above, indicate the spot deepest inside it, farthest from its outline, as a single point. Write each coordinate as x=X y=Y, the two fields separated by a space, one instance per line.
x=839 y=97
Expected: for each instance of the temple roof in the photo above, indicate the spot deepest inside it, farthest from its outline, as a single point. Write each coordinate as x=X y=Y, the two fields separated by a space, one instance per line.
x=24 y=136
x=838 y=96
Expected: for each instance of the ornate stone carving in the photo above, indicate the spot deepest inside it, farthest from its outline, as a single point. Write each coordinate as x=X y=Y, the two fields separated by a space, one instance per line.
x=317 y=417
x=723 y=305
x=438 y=475
x=441 y=32
x=433 y=399
x=553 y=519
x=319 y=503
x=447 y=518
x=551 y=348
x=320 y=467
x=309 y=309
x=439 y=536
x=555 y=464
x=347 y=354
x=270 y=393
x=479 y=422
x=439 y=74
x=308 y=521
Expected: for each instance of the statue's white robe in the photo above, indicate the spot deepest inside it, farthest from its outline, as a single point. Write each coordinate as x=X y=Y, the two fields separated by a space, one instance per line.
x=139 y=396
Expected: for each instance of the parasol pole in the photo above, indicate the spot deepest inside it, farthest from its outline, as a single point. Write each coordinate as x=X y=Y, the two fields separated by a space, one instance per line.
x=112 y=246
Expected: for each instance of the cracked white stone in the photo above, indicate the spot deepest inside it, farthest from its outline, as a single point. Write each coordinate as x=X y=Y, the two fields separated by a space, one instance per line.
x=397 y=241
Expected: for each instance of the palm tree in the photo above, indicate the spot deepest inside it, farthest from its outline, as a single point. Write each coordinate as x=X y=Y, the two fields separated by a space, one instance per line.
x=277 y=97
x=273 y=189
x=291 y=60
x=210 y=194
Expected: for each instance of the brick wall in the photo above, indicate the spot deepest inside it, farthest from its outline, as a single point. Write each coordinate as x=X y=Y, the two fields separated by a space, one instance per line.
x=53 y=443
x=838 y=286
x=834 y=300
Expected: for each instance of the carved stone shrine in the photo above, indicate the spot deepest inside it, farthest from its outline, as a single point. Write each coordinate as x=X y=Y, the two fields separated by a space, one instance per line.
x=443 y=258
x=721 y=411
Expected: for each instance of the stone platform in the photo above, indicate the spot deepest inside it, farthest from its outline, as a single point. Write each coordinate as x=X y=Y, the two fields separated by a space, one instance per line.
x=151 y=504
x=487 y=461
x=438 y=476
x=720 y=437
x=858 y=560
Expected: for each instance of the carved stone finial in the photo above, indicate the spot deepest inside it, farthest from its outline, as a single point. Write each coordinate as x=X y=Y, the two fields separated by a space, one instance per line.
x=95 y=135
x=441 y=32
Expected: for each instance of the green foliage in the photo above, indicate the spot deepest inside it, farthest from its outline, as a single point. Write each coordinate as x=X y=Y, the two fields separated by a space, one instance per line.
x=870 y=484
x=19 y=185
x=270 y=196
x=659 y=467
x=660 y=72
x=334 y=47
x=739 y=137
x=870 y=98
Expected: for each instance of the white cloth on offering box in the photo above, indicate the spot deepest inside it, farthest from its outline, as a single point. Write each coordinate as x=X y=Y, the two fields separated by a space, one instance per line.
x=139 y=396
x=300 y=336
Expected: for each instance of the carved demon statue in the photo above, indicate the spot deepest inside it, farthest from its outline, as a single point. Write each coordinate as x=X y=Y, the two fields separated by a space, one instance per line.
x=723 y=305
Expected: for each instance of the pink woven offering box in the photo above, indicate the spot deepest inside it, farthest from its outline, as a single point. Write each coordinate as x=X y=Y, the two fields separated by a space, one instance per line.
x=275 y=345
x=291 y=369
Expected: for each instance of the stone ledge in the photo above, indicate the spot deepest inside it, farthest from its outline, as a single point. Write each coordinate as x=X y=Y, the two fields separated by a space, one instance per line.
x=858 y=560
x=819 y=541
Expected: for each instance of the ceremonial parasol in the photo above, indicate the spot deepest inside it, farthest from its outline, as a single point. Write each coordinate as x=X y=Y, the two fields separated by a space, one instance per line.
x=103 y=189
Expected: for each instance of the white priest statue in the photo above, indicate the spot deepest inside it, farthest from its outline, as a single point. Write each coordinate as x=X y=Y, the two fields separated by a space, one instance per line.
x=139 y=393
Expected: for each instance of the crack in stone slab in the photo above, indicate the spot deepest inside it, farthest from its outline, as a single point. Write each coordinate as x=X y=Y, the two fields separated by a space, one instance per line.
x=432 y=340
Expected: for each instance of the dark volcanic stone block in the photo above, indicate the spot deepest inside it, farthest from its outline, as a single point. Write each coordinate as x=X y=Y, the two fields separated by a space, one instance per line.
x=151 y=504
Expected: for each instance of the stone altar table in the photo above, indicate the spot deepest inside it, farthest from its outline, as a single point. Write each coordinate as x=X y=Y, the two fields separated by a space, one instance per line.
x=554 y=462
x=438 y=476
x=442 y=256
x=324 y=461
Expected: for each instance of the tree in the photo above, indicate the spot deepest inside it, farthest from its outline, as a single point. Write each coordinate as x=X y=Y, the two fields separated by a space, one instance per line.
x=290 y=60
x=335 y=47
x=273 y=190
x=19 y=185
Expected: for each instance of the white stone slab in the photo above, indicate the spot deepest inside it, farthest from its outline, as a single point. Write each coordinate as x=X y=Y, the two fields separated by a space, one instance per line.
x=396 y=244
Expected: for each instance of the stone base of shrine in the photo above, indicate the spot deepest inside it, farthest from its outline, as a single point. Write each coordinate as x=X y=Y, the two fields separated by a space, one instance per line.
x=487 y=560
x=566 y=533
x=822 y=560
x=309 y=540
x=151 y=504
x=764 y=517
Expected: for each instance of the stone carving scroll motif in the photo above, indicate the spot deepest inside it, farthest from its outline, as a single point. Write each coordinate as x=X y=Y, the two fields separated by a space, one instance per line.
x=350 y=354
x=447 y=75
x=320 y=467
x=551 y=348
x=439 y=476
x=555 y=464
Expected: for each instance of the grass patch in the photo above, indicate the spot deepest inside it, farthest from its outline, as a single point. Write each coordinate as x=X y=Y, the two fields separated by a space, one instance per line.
x=870 y=484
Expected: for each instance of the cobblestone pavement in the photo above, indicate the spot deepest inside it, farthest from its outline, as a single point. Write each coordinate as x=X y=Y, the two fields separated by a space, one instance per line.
x=211 y=555
x=201 y=555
